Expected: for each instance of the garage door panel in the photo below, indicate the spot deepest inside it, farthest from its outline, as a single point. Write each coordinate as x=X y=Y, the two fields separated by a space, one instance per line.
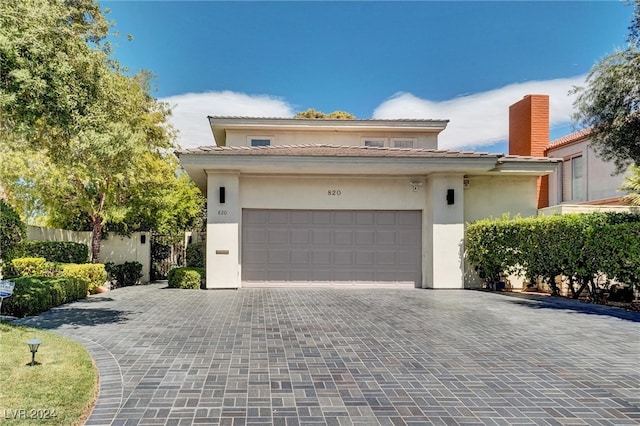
x=343 y=237
x=278 y=217
x=300 y=236
x=321 y=257
x=321 y=217
x=365 y=258
x=278 y=257
x=341 y=246
x=277 y=237
x=299 y=257
x=320 y=237
x=386 y=237
x=343 y=257
x=365 y=238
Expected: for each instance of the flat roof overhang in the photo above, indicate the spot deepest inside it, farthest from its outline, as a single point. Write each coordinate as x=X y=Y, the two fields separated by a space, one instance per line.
x=198 y=166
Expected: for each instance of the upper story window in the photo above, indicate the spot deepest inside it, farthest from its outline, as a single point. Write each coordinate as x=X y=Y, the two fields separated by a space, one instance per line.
x=403 y=143
x=255 y=141
x=378 y=142
x=573 y=179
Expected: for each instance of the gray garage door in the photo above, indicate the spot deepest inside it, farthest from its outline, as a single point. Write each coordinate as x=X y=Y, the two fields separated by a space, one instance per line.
x=338 y=247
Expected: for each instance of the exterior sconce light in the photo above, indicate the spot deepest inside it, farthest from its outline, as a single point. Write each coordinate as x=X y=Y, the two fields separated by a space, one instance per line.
x=34 y=344
x=415 y=185
x=222 y=195
x=450 y=196
x=465 y=182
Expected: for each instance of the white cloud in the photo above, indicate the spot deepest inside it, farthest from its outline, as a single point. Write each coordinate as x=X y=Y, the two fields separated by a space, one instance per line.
x=483 y=118
x=190 y=111
x=475 y=120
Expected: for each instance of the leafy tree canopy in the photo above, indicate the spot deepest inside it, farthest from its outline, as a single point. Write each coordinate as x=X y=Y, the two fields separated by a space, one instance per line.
x=336 y=115
x=610 y=102
x=82 y=142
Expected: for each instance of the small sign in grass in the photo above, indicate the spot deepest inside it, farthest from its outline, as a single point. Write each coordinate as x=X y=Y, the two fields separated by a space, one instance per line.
x=59 y=389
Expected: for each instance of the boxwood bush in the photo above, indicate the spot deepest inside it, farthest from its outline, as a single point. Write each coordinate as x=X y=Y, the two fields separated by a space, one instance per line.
x=33 y=266
x=94 y=274
x=186 y=277
x=195 y=255
x=124 y=274
x=33 y=295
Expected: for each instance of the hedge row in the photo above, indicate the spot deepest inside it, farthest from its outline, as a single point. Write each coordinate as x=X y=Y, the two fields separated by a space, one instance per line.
x=93 y=274
x=582 y=248
x=124 y=274
x=53 y=251
x=33 y=295
x=186 y=278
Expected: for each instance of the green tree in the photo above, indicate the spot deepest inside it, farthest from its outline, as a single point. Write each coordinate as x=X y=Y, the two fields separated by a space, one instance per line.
x=337 y=115
x=12 y=229
x=610 y=102
x=632 y=186
x=81 y=141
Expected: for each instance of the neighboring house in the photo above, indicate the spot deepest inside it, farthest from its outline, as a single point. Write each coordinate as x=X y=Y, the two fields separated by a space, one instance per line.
x=322 y=201
x=583 y=179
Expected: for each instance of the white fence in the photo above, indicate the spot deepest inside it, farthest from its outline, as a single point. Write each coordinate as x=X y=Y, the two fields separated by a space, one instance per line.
x=116 y=249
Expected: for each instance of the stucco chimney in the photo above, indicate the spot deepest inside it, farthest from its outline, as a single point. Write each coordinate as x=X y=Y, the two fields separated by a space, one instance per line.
x=529 y=134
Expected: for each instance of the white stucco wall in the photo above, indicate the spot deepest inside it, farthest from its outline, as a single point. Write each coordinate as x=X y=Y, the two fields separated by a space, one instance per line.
x=114 y=249
x=492 y=197
x=242 y=138
x=599 y=183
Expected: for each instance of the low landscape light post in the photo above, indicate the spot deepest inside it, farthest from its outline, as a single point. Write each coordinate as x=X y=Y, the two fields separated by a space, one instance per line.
x=33 y=347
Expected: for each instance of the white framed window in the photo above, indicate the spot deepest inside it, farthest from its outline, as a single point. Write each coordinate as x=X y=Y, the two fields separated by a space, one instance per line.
x=259 y=140
x=573 y=179
x=377 y=142
x=403 y=142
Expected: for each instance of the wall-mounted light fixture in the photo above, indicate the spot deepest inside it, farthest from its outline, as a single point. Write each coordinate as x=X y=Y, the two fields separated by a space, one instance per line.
x=143 y=239
x=221 y=197
x=415 y=185
x=465 y=182
x=450 y=196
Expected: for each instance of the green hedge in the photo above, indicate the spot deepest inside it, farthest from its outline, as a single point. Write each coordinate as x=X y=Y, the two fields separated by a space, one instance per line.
x=33 y=295
x=124 y=274
x=12 y=229
x=53 y=251
x=33 y=266
x=582 y=248
x=186 y=277
x=93 y=274
x=195 y=255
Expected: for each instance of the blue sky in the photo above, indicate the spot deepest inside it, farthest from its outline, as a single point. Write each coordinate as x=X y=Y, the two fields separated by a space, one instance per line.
x=462 y=61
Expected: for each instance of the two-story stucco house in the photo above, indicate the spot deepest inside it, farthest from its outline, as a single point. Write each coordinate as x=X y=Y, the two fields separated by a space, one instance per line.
x=349 y=202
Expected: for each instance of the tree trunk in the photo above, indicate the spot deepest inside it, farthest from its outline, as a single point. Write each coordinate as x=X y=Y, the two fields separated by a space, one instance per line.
x=96 y=238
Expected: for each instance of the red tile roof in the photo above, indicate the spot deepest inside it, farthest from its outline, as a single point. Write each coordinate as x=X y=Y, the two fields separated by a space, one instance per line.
x=568 y=139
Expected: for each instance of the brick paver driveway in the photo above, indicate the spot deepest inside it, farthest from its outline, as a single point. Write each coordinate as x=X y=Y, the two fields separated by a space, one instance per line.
x=354 y=356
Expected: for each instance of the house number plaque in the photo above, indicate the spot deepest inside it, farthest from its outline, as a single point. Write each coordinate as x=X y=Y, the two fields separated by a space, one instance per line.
x=334 y=193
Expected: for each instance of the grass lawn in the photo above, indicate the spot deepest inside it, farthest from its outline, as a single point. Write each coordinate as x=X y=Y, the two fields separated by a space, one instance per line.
x=60 y=389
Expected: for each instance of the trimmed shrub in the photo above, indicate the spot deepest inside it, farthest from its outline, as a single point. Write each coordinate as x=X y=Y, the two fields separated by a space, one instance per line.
x=124 y=274
x=53 y=251
x=33 y=295
x=195 y=255
x=12 y=229
x=94 y=274
x=584 y=248
x=618 y=293
x=33 y=266
x=190 y=278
